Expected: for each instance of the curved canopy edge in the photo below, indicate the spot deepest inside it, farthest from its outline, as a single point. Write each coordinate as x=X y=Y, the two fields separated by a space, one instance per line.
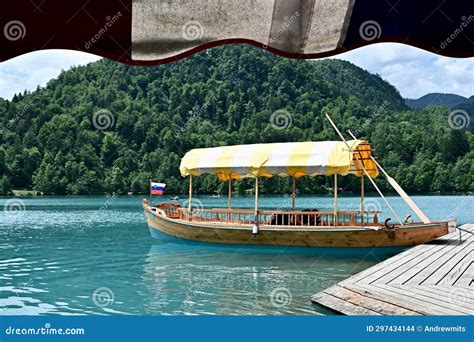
x=295 y=159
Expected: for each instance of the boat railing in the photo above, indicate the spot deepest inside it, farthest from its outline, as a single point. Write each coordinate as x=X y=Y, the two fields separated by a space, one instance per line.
x=307 y=218
x=170 y=209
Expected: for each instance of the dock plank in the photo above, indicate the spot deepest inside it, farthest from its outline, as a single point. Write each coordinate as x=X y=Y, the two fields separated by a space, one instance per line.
x=436 y=278
x=457 y=271
x=409 y=300
x=379 y=270
x=441 y=300
x=456 y=294
x=431 y=263
x=415 y=256
x=367 y=303
x=410 y=254
x=467 y=278
x=343 y=306
x=414 y=266
x=433 y=274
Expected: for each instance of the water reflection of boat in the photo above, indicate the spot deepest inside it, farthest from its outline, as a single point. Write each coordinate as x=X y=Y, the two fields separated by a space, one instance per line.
x=171 y=243
x=194 y=278
x=295 y=228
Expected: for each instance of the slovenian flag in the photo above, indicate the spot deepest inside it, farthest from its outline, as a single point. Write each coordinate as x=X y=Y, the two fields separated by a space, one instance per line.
x=157 y=188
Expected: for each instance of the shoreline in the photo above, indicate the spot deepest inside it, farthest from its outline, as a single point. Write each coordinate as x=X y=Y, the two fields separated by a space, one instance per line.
x=32 y=193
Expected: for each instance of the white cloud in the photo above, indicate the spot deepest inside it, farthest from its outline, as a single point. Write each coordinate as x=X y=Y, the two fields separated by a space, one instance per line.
x=415 y=72
x=37 y=68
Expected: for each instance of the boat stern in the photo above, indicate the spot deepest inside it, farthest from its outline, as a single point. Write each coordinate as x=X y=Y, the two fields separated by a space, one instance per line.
x=452 y=224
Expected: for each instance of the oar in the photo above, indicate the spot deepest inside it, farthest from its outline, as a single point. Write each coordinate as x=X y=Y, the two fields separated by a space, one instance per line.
x=363 y=168
x=399 y=189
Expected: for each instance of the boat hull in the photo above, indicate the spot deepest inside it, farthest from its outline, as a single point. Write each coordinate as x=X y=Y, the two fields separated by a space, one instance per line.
x=408 y=235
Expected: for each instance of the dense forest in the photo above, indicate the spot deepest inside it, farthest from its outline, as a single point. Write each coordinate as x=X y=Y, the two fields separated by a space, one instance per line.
x=108 y=127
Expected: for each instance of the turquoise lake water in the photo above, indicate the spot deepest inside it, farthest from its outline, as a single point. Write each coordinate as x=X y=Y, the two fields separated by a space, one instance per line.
x=94 y=255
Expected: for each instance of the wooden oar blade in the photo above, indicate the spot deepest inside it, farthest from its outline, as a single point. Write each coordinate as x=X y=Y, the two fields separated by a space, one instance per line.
x=408 y=200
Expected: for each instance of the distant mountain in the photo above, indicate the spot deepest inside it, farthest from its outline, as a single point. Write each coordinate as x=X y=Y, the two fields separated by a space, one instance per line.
x=449 y=100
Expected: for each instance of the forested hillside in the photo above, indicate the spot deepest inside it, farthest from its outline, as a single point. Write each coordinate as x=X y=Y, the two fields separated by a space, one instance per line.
x=110 y=127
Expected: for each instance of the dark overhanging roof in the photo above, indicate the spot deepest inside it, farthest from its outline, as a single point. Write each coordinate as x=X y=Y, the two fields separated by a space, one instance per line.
x=150 y=32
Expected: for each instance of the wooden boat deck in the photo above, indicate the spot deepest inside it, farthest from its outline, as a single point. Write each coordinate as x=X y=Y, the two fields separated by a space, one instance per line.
x=435 y=278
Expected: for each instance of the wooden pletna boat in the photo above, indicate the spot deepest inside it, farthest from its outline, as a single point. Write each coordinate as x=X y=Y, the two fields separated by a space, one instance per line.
x=290 y=228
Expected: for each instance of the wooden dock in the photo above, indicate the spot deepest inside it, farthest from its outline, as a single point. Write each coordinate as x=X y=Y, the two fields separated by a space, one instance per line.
x=435 y=278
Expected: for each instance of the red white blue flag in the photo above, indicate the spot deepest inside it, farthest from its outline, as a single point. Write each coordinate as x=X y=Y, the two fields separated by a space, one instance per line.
x=157 y=188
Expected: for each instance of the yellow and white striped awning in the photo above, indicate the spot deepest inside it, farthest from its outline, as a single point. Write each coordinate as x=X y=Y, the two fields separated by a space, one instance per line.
x=280 y=159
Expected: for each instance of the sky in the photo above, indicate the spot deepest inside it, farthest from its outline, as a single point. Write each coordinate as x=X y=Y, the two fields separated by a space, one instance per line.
x=414 y=72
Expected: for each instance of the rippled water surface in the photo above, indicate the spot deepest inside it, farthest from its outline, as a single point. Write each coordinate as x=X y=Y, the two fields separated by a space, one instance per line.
x=94 y=255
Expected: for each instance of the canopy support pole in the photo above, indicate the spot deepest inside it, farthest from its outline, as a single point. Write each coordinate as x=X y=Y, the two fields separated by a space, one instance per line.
x=335 y=200
x=229 y=201
x=399 y=190
x=363 y=168
x=293 y=193
x=256 y=200
x=190 y=200
x=362 y=198
x=151 y=196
